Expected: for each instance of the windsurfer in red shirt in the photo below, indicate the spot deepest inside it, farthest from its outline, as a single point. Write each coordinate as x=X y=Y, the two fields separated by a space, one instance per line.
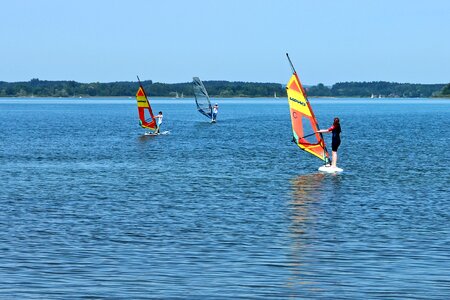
x=335 y=129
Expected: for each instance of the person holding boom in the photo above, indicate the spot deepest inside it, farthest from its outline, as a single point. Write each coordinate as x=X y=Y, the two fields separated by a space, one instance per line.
x=335 y=129
x=215 y=110
x=159 y=119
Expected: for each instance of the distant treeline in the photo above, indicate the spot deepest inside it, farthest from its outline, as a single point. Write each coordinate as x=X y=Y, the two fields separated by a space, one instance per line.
x=377 y=89
x=445 y=91
x=43 y=88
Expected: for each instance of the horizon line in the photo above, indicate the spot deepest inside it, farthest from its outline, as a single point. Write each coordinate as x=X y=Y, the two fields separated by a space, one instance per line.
x=219 y=80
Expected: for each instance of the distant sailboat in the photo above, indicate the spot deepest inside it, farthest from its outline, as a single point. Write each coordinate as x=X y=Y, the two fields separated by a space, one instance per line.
x=176 y=95
x=182 y=96
x=275 y=95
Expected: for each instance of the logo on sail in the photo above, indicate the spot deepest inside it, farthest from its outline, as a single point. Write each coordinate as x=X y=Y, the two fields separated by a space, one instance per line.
x=297 y=101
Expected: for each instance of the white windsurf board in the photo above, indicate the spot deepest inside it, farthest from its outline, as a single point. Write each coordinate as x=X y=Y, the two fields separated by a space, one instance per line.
x=155 y=134
x=330 y=169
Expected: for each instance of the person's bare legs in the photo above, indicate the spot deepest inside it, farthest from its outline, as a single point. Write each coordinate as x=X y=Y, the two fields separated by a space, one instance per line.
x=334 y=159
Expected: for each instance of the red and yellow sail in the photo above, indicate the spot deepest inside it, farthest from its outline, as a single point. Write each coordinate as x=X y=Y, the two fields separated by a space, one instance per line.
x=304 y=123
x=144 y=105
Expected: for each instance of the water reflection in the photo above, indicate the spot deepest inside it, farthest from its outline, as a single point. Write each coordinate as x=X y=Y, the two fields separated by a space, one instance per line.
x=146 y=137
x=306 y=189
x=307 y=192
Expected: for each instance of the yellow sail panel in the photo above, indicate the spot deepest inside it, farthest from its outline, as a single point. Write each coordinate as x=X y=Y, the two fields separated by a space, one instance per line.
x=304 y=125
x=143 y=106
x=141 y=98
x=316 y=150
x=296 y=97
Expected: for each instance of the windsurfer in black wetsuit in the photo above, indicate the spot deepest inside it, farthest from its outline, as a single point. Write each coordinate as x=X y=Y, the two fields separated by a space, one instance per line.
x=335 y=129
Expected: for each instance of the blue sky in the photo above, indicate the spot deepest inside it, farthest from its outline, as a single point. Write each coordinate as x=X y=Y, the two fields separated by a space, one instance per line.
x=239 y=40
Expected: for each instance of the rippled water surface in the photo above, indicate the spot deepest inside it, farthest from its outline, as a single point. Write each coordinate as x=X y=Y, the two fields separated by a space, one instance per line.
x=91 y=208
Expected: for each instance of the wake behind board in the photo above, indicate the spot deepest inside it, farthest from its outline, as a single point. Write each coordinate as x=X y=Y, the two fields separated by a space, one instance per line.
x=155 y=134
x=330 y=169
x=213 y=121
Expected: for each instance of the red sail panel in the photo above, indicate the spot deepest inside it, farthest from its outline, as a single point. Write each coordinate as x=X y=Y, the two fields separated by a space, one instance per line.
x=304 y=124
x=143 y=107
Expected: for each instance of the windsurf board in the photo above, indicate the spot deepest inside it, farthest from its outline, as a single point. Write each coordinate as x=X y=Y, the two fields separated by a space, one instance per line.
x=330 y=169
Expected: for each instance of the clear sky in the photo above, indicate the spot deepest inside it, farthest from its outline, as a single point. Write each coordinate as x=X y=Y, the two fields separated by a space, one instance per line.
x=238 y=40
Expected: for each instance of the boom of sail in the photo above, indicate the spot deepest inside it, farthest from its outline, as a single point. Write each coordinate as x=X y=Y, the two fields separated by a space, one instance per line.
x=144 y=106
x=201 y=98
x=304 y=123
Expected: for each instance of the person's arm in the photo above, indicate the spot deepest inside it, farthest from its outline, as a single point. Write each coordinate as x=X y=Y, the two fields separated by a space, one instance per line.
x=326 y=130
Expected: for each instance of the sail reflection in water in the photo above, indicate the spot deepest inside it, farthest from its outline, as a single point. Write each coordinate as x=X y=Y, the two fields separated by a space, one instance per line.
x=306 y=190
x=306 y=195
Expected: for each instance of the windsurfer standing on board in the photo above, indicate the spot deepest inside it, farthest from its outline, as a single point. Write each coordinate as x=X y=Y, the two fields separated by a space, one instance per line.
x=159 y=120
x=215 y=110
x=335 y=129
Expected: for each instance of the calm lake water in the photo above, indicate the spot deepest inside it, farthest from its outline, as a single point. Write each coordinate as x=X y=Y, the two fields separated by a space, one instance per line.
x=90 y=208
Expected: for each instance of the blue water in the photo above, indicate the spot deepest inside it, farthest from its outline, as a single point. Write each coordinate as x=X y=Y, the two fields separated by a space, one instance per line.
x=91 y=208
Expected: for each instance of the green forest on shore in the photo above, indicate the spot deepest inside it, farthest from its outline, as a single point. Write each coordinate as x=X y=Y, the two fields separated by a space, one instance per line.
x=222 y=89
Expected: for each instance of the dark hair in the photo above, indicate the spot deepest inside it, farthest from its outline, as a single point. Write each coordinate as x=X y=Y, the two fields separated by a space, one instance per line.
x=160 y=112
x=336 y=121
x=337 y=125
